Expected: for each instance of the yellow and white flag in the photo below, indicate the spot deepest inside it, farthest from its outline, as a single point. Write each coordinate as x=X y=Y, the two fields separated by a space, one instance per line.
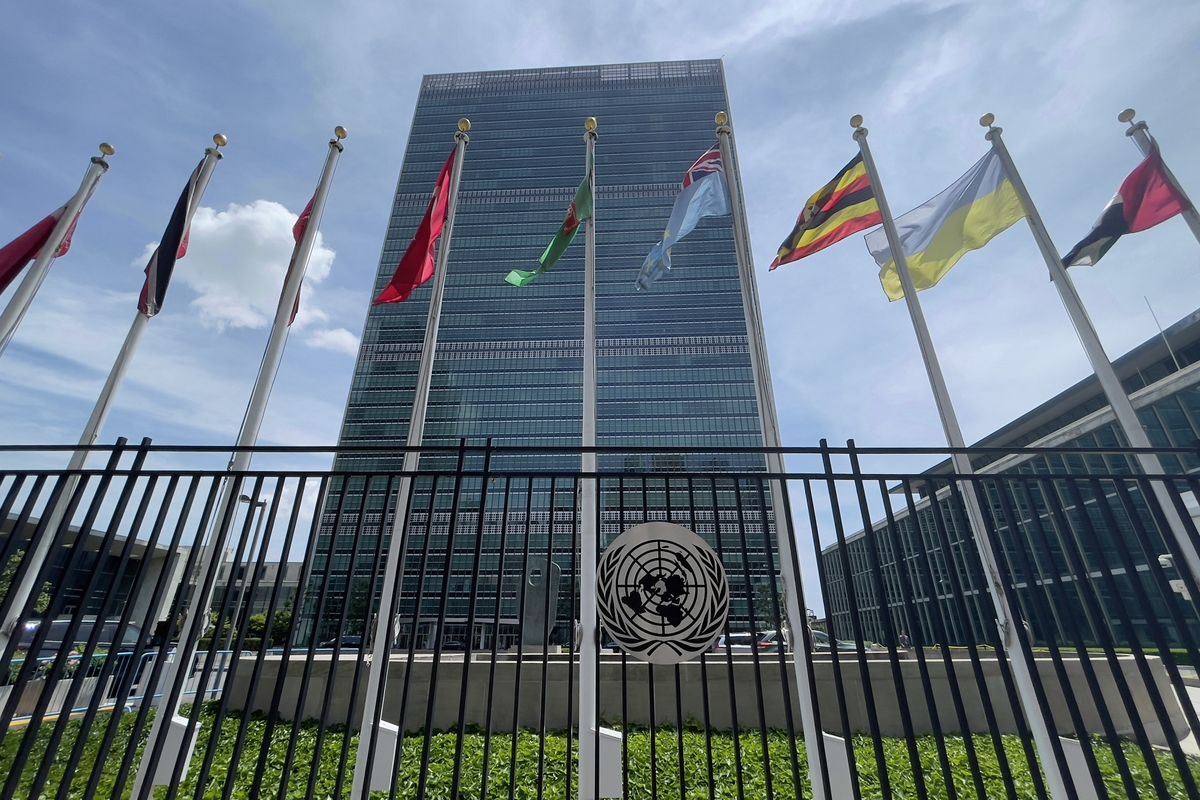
x=936 y=234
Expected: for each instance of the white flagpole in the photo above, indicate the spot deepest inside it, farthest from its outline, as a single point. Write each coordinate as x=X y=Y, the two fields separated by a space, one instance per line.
x=1140 y=133
x=91 y=430
x=589 y=547
x=197 y=613
x=769 y=420
x=22 y=298
x=1114 y=392
x=377 y=733
x=1022 y=666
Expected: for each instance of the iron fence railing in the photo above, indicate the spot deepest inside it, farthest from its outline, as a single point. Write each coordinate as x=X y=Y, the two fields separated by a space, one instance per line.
x=912 y=688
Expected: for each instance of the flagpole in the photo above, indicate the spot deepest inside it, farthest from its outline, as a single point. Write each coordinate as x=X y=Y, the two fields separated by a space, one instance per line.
x=1140 y=133
x=91 y=431
x=769 y=421
x=589 y=547
x=376 y=734
x=1009 y=626
x=197 y=613
x=1114 y=392
x=22 y=298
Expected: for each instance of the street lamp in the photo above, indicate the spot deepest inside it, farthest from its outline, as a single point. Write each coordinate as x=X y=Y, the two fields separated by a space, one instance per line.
x=260 y=506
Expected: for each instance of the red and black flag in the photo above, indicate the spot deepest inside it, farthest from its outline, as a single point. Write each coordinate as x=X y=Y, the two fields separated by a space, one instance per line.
x=844 y=206
x=1145 y=199
x=17 y=254
x=172 y=247
x=417 y=264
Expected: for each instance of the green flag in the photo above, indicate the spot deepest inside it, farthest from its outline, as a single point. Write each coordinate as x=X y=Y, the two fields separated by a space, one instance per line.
x=579 y=211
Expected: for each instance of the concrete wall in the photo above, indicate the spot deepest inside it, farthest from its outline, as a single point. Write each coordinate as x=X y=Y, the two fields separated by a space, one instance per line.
x=724 y=697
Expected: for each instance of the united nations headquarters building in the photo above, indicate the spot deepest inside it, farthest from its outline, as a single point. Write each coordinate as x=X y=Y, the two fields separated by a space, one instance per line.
x=673 y=362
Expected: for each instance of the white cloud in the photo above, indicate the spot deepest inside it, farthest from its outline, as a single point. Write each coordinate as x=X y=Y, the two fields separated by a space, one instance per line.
x=339 y=340
x=236 y=262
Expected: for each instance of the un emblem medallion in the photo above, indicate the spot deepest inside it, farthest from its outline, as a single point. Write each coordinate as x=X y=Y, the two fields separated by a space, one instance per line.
x=662 y=593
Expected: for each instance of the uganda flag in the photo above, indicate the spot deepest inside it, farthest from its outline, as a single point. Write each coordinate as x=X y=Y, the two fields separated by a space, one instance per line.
x=844 y=206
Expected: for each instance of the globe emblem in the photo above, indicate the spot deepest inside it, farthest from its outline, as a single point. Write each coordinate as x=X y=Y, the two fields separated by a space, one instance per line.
x=662 y=589
x=662 y=593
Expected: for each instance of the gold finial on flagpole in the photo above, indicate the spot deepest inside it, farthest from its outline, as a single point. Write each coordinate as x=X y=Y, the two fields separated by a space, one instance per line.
x=340 y=132
x=464 y=125
x=590 y=123
x=856 y=121
x=107 y=149
x=1127 y=115
x=986 y=120
x=722 y=119
x=220 y=139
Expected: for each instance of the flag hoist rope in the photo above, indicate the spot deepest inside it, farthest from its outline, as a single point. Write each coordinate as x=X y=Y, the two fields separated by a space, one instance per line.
x=22 y=298
x=197 y=614
x=37 y=555
x=375 y=730
x=1011 y=634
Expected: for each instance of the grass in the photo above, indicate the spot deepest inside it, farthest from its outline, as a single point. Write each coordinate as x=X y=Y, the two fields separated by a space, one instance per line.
x=739 y=768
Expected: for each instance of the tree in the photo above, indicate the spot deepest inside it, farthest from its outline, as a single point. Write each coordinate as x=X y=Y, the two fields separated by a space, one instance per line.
x=256 y=626
x=281 y=625
x=764 y=607
x=219 y=633
x=42 y=601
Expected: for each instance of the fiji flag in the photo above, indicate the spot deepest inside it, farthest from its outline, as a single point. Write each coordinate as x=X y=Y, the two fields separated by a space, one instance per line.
x=702 y=194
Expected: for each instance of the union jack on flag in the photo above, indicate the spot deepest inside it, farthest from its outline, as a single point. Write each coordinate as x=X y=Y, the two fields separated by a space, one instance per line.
x=706 y=164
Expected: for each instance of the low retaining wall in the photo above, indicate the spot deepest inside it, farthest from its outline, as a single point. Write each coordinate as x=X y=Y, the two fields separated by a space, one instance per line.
x=702 y=686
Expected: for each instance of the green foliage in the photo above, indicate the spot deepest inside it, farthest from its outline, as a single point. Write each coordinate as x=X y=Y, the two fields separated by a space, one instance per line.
x=739 y=767
x=256 y=626
x=764 y=606
x=281 y=623
x=91 y=748
x=220 y=634
x=42 y=602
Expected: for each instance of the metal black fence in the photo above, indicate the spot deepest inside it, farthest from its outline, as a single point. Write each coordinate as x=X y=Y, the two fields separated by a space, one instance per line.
x=910 y=684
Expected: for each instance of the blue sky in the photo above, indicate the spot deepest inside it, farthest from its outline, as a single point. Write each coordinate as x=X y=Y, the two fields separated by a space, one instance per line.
x=157 y=79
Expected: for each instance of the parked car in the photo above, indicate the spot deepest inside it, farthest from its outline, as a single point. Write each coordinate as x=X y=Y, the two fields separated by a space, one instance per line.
x=57 y=629
x=348 y=642
x=820 y=641
x=735 y=643
x=773 y=641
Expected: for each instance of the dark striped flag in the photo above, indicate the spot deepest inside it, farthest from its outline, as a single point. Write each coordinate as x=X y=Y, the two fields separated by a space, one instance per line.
x=17 y=254
x=174 y=244
x=1145 y=199
x=844 y=206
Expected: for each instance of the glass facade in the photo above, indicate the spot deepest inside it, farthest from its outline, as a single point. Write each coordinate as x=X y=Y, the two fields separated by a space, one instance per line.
x=1166 y=393
x=673 y=363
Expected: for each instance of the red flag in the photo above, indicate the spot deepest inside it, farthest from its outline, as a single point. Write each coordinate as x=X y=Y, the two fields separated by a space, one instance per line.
x=416 y=267
x=1148 y=194
x=65 y=245
x=297 y=234
x=15 y=255
x=302 y=221
x=1146 y=198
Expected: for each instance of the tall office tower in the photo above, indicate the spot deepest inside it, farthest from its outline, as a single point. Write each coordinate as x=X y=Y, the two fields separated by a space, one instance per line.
x=673 y=362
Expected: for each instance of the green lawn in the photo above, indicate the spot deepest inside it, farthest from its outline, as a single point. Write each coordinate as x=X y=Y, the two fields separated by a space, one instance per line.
x=729 y=768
